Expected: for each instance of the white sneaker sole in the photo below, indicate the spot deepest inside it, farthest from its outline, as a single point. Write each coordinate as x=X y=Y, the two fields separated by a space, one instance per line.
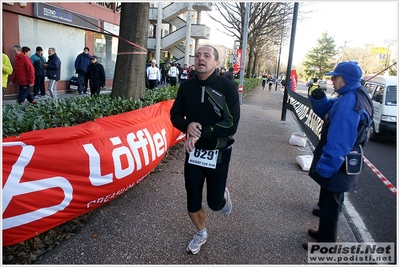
x=195 y=251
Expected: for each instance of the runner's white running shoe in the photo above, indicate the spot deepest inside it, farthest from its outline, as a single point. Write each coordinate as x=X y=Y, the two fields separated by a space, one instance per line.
x=195 y=245
x=229 y=205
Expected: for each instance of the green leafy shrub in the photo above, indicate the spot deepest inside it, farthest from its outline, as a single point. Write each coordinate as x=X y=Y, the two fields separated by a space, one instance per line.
x=76 y=110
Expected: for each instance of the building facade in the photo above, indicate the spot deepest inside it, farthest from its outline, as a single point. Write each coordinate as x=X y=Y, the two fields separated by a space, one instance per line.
x=71 y=26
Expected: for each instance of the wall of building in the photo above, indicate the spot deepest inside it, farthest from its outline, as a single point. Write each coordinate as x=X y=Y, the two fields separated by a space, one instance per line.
x=20 y=26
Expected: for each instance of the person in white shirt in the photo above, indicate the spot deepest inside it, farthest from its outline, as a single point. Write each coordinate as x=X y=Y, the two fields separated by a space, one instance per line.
x=173 y=73
x=153 y=75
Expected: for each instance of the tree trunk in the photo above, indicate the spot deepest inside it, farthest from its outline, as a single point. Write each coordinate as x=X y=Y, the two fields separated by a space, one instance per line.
x=255 y=64
x=129 y=78
x=250 y=59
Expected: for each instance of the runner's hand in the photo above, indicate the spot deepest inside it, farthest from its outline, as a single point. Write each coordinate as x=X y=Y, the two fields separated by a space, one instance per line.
x=190 y=143
x=194 y=130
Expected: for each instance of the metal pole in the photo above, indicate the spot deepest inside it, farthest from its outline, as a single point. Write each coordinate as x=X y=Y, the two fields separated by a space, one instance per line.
x=281 y=44
x=244 y=49
x=159 y=37
x=288 y=74
x=188 y=35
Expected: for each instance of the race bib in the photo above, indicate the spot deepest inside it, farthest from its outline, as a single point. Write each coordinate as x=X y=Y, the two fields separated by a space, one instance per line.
x=204 y=158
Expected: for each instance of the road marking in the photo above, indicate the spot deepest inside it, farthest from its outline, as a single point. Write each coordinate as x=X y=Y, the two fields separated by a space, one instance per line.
x=381 y=176
x=357 y=222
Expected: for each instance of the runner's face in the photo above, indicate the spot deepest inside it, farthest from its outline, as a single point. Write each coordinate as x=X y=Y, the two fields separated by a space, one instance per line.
x=205 y=62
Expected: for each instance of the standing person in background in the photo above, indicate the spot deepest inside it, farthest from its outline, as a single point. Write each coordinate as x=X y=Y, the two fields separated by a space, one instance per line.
x=184 y=73
x=230 y=75
x=53 y=68
x=96 y=75
x=173 y=73
x=82 y=62
x=192 y=72
x=7 y=70
x=346 y=119
x=153 y=75
x=38 y=61
x=26 y=51
x=164 y=75
x=222 y=71
x=207 y=109
x=24 y=74
x=178 y=76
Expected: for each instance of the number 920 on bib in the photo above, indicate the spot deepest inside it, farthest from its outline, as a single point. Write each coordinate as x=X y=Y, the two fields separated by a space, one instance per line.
x=204 y=158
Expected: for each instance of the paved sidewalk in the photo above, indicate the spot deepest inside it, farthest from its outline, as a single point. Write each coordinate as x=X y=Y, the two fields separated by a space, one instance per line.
x=12 y=99
x=272 y=203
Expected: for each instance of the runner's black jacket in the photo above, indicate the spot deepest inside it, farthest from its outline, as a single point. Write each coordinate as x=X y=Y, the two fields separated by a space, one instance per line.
x=213 y=103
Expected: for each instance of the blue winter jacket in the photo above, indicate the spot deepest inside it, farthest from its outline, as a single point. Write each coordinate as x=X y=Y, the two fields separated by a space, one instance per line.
x=54 y=67
x=82 y=62
x=341 y=121
x=38 y=63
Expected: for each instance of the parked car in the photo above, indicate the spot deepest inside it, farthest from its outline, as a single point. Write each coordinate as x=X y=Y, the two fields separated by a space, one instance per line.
x=322 y=84
x=382 y=90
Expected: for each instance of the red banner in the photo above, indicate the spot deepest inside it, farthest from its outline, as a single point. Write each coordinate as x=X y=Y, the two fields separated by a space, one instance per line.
x=294 y=80
x=52 y=176
x=237 y=65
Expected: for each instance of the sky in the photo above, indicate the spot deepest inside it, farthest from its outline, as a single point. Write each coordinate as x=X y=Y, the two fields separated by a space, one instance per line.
x=355 y=22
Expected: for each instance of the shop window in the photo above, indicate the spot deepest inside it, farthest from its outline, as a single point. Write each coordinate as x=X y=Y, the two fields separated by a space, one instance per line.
x=67 y=41
x=106 y=49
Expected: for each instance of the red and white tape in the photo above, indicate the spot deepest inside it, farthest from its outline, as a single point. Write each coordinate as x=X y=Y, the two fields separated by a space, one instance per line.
x=381 y=176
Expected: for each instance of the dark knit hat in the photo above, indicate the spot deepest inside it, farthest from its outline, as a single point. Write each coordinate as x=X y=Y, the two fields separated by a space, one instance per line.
x=39 y=48
x=86 y=48
x=350 y=71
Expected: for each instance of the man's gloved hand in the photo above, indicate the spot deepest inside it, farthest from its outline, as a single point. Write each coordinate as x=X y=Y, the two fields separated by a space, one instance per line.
x=318 y=93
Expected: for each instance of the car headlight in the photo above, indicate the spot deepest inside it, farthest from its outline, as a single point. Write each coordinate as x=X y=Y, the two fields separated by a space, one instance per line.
x=388 y=118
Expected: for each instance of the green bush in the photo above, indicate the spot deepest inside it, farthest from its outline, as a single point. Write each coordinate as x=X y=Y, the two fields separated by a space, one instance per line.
x=249 y=84
x=76 y=110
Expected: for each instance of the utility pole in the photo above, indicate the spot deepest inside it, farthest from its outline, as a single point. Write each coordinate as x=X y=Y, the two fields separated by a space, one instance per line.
x=188 y=35
x=281 y=44
x=288 y=74
x=159 y=35
x=244 y=49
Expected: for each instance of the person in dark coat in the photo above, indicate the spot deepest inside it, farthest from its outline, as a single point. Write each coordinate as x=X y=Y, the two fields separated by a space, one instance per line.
x=53 y=71
x=82 y=62
x=96 y=75
x=38 y=61
x=230 y=75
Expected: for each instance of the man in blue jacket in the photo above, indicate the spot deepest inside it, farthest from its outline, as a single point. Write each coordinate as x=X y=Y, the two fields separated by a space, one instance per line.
x=82 y=62
x=53 y=71
x=38 y=61
x=346 y=120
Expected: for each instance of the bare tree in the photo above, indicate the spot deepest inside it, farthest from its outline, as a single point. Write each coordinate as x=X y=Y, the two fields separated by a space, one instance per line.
x=129 y=78
x=266 y=22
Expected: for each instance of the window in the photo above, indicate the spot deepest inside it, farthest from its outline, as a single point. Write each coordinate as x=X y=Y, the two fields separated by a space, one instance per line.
x=379 y=94
x=391 y=96
x=111 y=5
x=106 y=49
x=370 y=87
x=67 y=41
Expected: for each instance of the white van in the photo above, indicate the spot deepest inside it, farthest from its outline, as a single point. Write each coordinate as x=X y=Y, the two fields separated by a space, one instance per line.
x=382 y=90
